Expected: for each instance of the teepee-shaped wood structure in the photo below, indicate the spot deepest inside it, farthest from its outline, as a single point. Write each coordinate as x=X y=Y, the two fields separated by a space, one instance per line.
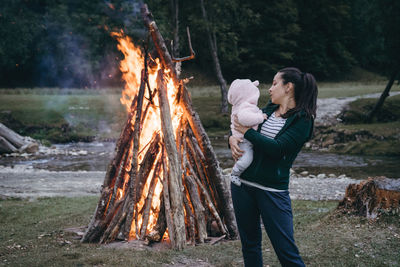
x=165 y=180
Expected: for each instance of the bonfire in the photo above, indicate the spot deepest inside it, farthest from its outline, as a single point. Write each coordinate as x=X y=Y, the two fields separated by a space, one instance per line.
x=164 y=182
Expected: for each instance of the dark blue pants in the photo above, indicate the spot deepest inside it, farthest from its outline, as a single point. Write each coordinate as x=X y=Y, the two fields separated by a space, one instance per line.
x=276 y=212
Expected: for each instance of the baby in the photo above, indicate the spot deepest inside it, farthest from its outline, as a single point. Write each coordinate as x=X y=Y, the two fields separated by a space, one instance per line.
x=243 y=96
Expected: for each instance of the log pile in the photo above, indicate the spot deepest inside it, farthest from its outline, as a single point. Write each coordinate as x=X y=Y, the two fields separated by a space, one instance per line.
x=372 y=197
x=170 y=187
x=11 y=142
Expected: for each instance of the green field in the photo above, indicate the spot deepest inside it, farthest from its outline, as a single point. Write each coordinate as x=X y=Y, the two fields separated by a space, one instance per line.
x=32 y=234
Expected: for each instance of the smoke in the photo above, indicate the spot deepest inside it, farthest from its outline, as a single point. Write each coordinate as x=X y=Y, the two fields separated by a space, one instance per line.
x=76 y=55
x=71 y=58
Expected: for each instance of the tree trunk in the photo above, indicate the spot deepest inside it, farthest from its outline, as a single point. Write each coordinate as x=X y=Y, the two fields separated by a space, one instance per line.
x=385 y=94
x=372 y=198
x=212 y=42
x=6 y=147
x=175 y=46
x=12 y=137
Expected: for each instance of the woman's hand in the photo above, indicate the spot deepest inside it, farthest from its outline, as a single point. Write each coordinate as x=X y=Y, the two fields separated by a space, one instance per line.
x=235 y=149
x=238 y=127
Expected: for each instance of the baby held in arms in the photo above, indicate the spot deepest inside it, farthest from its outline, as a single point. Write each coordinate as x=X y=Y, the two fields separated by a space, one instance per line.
x=243 y=96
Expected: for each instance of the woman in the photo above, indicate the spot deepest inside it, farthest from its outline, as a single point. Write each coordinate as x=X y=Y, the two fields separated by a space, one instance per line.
x=264 y=184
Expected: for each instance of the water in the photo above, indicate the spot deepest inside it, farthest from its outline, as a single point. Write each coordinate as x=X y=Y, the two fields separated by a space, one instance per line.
x=96 y=156
x=68 y=157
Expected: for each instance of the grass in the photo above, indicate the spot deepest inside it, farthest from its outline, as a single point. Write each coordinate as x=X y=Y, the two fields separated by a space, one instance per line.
x=63 y=117
x=31 y=234
x=325 y=89
x=357 y=110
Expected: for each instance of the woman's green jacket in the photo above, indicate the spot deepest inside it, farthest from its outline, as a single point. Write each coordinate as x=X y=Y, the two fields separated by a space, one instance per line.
x=273 y=158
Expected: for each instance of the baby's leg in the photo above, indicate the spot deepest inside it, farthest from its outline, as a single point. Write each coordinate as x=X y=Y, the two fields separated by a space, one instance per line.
x=243 y=162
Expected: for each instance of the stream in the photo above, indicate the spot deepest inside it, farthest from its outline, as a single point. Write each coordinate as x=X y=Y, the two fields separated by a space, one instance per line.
x=96 y=156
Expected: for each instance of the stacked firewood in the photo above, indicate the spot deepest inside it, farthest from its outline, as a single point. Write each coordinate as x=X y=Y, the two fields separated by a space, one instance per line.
x=194 y=202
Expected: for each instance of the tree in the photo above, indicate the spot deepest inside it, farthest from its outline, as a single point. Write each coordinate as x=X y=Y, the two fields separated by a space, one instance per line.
x=212 y=42
x=391 y=32
x=325 y=38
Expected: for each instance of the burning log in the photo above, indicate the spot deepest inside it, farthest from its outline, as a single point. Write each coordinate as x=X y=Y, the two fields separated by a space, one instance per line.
x=176 y=229
x=164 y=181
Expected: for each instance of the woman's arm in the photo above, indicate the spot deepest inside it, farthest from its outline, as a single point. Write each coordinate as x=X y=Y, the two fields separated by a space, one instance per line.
x=290 y=141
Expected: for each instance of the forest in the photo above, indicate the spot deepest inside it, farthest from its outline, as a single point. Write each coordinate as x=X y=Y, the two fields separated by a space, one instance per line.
x=67 y=43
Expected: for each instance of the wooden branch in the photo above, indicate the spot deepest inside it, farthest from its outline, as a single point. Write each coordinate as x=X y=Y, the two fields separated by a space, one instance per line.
x=159 y=42
x=149 y=199
x=216 y=240
x=174 y=165
x=97 y=228
x=198 y=208
x=161 y=224
x=212 y=167
x=200 y=171
x=144 y=170
x=119 y=179
x=190 y=221
x=192 y=53
x=167 y=203
x=114 y=226
x=133 y=181
x=383 y=96
x=211 y=206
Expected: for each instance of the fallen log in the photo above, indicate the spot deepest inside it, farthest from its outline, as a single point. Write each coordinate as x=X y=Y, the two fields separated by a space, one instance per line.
x=372 y=197
x=12 y=142
x=15 y=139
x=6 y=147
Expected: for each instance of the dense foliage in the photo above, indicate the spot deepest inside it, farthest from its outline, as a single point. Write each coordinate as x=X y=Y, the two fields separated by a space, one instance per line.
x=67 y=43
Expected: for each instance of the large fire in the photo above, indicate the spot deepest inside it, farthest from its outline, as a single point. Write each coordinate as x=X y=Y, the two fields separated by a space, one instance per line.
x=131 y=67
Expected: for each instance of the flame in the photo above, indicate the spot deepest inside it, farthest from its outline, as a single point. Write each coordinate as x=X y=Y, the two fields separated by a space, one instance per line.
x=131 y=67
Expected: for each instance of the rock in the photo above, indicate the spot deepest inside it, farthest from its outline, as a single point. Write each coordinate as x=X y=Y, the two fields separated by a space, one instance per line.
x=321 y=175
x=342 y=176
x=30 y=148
x=312 y=176
x=304 y=173
x=331 y=175
x=307 y=145
x=328 y=142
x=292 y=172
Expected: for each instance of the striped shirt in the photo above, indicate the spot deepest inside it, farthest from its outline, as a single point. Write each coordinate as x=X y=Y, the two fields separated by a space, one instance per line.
x=270 y=128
